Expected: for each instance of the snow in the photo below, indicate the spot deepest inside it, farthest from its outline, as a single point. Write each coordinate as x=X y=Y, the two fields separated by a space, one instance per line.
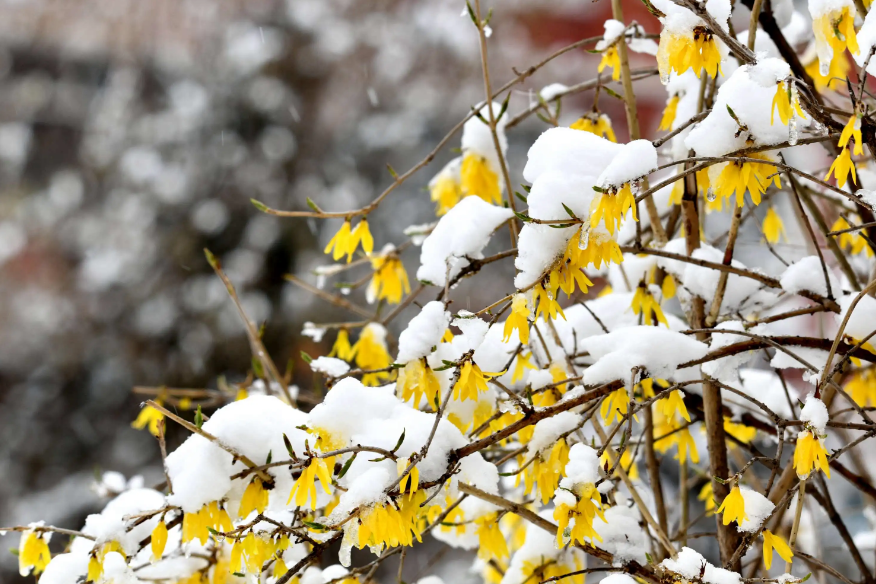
x=615 y=28
x=764 y=386
x=583 y=466
x=725 y=369
x=862 y=321
x=757 y=507
x=621 y=534
x=617 y=579
x=478 y=139
x=110 y=524
x=330 y=366
x=657 y=350
x=423 y=332
x=815 y=413
x=868 y=196
x=806 y=275
x=65 y=569
x=815 y=357
x=547 y=431
x=463 y=232
x=680 y=20
x=549 y=92
x=568 y=151
x=313 y=331
x=688 y=564
x=635 y=160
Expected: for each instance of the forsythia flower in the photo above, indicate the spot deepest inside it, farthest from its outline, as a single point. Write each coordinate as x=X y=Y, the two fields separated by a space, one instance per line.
x=834 y=32
x=673 y=403
x=346 y=240
x=445 y=191
x=787 y=102
x=809 y=455
x=416 y=380
x=255 y=498
x=471 y=381
x=305 y=485
x=741 y=432
x=149 y=417
x=751 y=176
x=668 y=287
x=610 y=58
x=862 y=387
x=159 y=540
x=95 y=562
x=610 y=207
x=839 y=69
x=249 y=554
x=669 y=432
x=518 y=319
x=851 y=240
x=851 y=130
x=773 y=228
x=370 y=353
x=841 y=167
x=645 y=304
x=520 y=365
x=669 y=113
x=546 y=473
x=707 y=496
x=546 y=303
x=477 y=178
x=681 y=52
x=195 y=525
x=584 y=512
x=490 y=539
x=412 y=479
x=733 y=507
x=390 y=280
x=342 y=349
x=383 y=525
x=594 y=123
x=626 y=462
x=615 y=405
x=33 y=553
x=774 y=542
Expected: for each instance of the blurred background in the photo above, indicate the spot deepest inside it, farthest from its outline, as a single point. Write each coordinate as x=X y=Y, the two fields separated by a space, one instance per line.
x=134 y=133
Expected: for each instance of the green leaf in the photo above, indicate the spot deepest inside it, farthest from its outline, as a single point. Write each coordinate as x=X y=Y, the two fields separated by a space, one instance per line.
x=613 y=93
x=526 y=188
x=471 y=13
x=313 y=205
x=569 y=211
x=400 y=440
x=259 y=205
x=257 y=368
x=289 y=448
x=560 y=225
x=211 y=259
x=314 y=525
x=598 y=189
x=346 y=466
x=732 y=114
x=522 y=197
x=649 y=558
x=239 y=574
x=270 y=454
x=212 y=531
x=307 y=358
x=507 y=97
x=199 y=417
x=13 y=551
x=522 y=217
x=392 y=171
x=806 y=577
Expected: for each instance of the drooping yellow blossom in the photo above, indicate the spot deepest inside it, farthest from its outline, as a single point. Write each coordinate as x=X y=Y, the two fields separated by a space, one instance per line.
x=733 y=507
x=524 y=435
x=342 y=349
x=610 y=207
x=454 y=521
x=835 y=29
x=197 y=525
x=610 y=58
x=809 y=455
x=687 y=448
x=786 y=102
x=390 y=280
x=851 y=130
x=249 y=554
x=697 y=51
x=411 y=481
x=772 y=542
x=673 y=403
x=626 y=462
x=521 y=364
x=773 y=228
x=490 y=539
x=862 y=387
x=668 y=288
x=707 y=496
x=669 y=113
x=740 y=177
x=586 y=249
x=841 y=167
x=417 y=380
x=158 y=540
x=741 y=432
x=615 y=405
x=839 y=70
x=595 y=123
x=446 y=192
x=477 y=178
x=255 y=498
x=646 y=305
x=370 y=353
x=851 y=240
x=149 y=417
x=545 y=473
x=95 y=561
x=472 y=381
x=551 y=395
x=305 y=485
x=517 y=320
x=347 y=240
x=386 y=525
x=546 y=304
x=551 y=571
x=33 y=553
x=448 y=336
x=589 y=505
x=671 y=431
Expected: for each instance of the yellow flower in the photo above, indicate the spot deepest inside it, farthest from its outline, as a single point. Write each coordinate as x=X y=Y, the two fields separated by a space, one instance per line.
x=670 y=431
x=159 y=540
x=448 y=336
x=589 y=506
x=862 y=387
x=852 y=130
x=416 y=380
x=545 y=473
x=841 y=168
x=370 y=353
x=615 y=405
x=626 y=462
x=834 y=32
x=610 y=207
x=669 y=113
x=673 y=403
x=809 y=455
x=249 y=554
x=783 y=102
x=687 y=448
x=477 y=178
x=707 y=496
x=149 y=417
x=520 y=365
x=679 y=53
x=255 y=498
x=839 y=70
x=305 y=485
x=342 y=349
x=491 y=541
x=598 y=124
x=741 y=432
x=851 y=240
x=773 y=228
x=751 y=176
x=668 y=288
x=733 y=507
x=33 y=553
x=386 y=525
x=610 y=58
x=95 y=562
x=546 y=303
x=390 y=280
x=197 y=525
x=552 y=395
x=518 y=319
x=346 y=240
x=646 y=305
x=471 y=382
x=446 y=192
x=774 y=542
x=411 y=482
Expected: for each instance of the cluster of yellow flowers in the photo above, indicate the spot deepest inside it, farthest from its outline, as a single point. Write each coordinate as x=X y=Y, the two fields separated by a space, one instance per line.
x=393 y=523
x=249 y=554
x=699 y=52
x=197 y=526
x=589 y=505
